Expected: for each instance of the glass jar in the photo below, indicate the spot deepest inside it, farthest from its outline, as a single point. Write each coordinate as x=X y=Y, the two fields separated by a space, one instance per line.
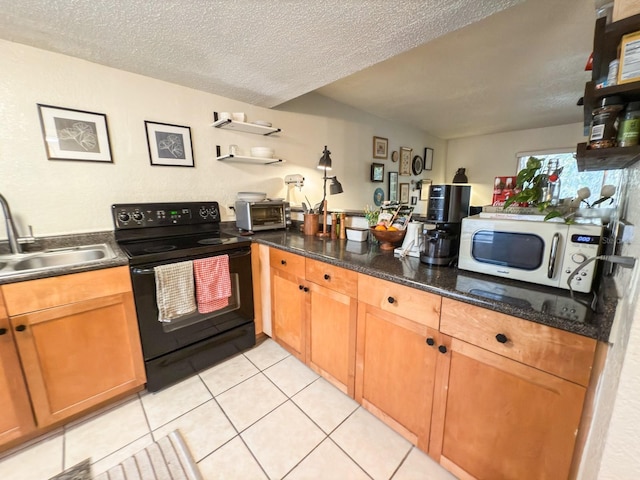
x=604 y=123
x=550 y=186
x=630 y=126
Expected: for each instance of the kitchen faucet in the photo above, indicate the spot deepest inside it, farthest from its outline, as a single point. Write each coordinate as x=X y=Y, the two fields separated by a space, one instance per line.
x=11 y=228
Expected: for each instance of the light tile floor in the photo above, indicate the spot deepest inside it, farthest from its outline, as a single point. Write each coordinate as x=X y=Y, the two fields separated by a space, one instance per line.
x=259 y=415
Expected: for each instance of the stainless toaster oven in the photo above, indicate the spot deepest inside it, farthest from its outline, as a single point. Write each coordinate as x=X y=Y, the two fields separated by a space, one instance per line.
x=266 y=215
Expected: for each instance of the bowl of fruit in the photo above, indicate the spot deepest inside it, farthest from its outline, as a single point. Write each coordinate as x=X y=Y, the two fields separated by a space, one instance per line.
x=389 y=237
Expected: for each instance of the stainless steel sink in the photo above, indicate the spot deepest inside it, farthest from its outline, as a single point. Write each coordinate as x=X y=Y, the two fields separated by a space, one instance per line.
x=54 y=258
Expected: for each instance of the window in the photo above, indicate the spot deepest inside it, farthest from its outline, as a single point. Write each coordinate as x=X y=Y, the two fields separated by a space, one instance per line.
x=571 y=179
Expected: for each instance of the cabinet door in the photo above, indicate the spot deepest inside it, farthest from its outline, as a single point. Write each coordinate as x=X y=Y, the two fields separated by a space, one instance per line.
x=16 y=419
x=332 y=340
x=288 y=311
x=80 y=355
x=506 y=420
x=395 y=371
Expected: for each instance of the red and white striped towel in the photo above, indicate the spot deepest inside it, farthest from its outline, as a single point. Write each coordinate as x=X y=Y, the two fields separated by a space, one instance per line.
x=174 y=290
x=213 y=283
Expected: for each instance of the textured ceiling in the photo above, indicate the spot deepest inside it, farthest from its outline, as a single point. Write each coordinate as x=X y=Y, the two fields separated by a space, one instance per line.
x=471 y=66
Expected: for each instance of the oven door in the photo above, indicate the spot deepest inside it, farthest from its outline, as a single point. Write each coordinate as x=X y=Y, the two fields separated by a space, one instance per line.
x=160 y=338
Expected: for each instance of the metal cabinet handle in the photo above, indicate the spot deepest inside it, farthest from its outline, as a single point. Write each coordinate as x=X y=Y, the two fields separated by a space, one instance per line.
x=327 y=276
x=3 y=331
x=283 y=262
x=431 y=342
x=300 y=287
x=502 y=338
x=442 y=349
x=306 y=289
x=21 y=328
x=391 y=300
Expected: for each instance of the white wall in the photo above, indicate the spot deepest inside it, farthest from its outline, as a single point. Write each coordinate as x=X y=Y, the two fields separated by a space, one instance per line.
x=63 y=196
x=488 y=156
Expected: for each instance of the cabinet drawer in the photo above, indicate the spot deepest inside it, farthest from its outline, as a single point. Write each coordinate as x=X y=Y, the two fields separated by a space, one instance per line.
x=560 y=353
x=421 y=307
x=24 y=297
x=287 y=262
x=336 y=278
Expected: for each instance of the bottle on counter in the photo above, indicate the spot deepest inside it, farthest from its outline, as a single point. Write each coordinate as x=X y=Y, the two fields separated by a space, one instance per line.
x=629 y=129
x=551 y=184
x=604 y=122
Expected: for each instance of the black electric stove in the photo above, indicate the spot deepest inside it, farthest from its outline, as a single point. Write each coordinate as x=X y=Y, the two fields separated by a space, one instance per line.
x=155 y=234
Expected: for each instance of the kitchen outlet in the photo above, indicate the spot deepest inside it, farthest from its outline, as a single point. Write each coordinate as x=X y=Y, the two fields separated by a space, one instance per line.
x=231 y=210
x=625 y=232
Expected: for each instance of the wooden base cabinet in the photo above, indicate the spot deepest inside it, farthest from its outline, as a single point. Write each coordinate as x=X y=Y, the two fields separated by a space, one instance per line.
x=16 y=420
x=78 y=341
x=497 y=417
x=397 y=355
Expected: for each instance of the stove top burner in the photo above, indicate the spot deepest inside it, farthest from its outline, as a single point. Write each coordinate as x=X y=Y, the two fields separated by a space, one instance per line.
x=210 y=241
x=160 y=248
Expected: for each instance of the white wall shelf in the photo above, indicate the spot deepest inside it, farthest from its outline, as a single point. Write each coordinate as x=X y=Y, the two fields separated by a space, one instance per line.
x=253 y=160
x=245 y=127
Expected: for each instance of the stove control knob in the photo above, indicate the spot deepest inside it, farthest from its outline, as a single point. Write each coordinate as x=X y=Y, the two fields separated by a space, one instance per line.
x=124 y=217
x=203 y=212
x=214 y=213
x=138 y=216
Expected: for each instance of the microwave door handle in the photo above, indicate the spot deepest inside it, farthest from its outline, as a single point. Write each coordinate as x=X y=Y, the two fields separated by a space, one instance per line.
x=552 y=256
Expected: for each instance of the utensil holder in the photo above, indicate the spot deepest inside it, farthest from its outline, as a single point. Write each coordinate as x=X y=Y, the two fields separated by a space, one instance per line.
x=311 y=223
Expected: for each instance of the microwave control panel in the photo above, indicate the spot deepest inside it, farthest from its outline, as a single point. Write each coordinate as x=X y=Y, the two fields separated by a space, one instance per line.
x=583 y=243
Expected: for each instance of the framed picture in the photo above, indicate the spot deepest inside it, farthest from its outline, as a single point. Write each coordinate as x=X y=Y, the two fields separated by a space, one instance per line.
x=428 y=158
x=377 y=172
x=414 y=200
x=404 y=193
x=393 y=186
x=380 y=147
x=405 y=161
x=169 y=144
x=75 y=134
x=424 y=189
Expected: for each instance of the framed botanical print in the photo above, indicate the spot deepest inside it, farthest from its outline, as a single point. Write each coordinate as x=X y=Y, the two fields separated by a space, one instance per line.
x=405 y=161
x=404 y=193
x=380 y=147
x=377 y=172
x=428 y=158
x=393 y=186
x=75 y=134
x=169 y=144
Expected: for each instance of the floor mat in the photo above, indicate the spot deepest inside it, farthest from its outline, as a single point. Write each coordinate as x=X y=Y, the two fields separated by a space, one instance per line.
x=168 y=458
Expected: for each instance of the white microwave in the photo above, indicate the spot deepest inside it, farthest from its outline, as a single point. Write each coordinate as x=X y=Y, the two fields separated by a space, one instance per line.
x=546 y=253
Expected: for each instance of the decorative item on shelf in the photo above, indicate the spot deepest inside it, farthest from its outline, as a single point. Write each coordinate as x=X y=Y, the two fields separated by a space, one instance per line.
x=428 y=158
x=334 y=189
x=405 y=161
x=377 y=172
x=460 y=176
x=380 y=147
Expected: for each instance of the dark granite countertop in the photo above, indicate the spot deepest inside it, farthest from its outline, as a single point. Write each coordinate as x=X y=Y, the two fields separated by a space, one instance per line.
x=548 y=306
x=64 y=241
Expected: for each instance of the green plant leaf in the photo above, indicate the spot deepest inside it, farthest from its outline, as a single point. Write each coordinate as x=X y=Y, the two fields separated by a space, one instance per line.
x=552 y=214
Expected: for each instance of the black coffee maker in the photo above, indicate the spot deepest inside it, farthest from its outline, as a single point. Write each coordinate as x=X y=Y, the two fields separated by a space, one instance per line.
x=448 y=205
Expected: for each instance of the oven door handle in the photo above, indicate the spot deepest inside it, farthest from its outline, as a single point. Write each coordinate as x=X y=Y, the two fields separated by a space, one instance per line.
x=150 y=271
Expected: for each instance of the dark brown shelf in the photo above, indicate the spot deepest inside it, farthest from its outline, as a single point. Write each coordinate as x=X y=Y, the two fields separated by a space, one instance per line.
x=606 y=158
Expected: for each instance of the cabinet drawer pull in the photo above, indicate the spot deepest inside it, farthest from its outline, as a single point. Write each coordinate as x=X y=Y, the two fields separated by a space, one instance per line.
x=391 y=300
x=327 y=276
x=306 y=289
x=502 y=338
x=283 y=262
x=442 y=349
x=300 y=287
x=21 y=328
x=431 y=342
x=3 y=331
